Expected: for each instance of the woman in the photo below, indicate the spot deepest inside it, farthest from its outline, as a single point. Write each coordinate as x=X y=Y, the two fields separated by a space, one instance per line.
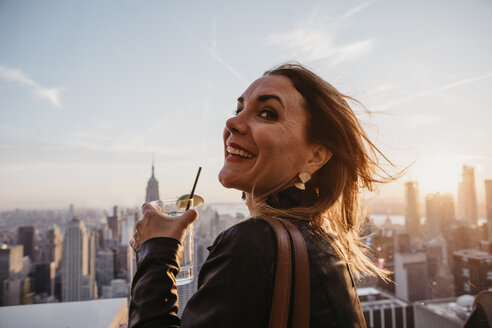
x=297 y=151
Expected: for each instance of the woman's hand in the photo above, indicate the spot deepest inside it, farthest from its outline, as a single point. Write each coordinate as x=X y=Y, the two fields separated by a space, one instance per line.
x=155 y=224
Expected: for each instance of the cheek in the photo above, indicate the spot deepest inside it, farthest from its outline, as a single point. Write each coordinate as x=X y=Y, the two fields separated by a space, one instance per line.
x=283 y=157
x=285 y=146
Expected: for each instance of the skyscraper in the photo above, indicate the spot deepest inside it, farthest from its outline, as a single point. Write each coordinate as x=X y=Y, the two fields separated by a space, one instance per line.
x=412 y=217
x=488 y=204
x=92 y=289
x=125 y=262
x=127 y=226
x=438 y=270
x=472 y=271
x=45 y=279
x=10 y=266
x=467 y=197
x=411 y=276
x=114 y=224
x=105 y=262
x=54 y=245
x=153 y=192
x=75 y=261
x=25 y=236
x=440 y=213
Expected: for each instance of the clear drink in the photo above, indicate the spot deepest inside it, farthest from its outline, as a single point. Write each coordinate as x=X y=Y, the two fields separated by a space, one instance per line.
x=171 y=208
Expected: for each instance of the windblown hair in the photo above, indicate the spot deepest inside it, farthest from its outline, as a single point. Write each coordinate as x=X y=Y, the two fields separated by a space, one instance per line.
x=354 y=165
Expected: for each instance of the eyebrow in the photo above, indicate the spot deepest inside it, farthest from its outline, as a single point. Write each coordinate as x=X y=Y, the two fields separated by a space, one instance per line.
x=264 y=98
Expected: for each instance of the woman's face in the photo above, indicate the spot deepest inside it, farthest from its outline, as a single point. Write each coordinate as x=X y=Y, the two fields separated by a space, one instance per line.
x=265 y=144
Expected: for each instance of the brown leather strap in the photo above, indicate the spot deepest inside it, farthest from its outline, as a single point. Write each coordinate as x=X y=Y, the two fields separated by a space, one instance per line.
x=301 y=312
x=279 y=313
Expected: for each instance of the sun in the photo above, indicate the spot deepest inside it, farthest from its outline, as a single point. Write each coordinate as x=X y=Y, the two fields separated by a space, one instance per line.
x=439 y=175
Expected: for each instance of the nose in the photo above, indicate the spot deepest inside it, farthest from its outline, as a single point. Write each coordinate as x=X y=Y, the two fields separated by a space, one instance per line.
x=237 y=124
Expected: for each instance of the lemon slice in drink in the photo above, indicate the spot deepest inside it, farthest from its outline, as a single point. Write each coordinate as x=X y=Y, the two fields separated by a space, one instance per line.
x=182 y=201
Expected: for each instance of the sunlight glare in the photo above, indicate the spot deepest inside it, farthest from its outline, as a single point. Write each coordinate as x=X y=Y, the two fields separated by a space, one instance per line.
x=440 y=175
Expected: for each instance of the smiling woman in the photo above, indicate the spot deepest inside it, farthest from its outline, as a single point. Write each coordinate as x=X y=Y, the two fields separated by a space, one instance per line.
x=271 y=130
x=298 y=153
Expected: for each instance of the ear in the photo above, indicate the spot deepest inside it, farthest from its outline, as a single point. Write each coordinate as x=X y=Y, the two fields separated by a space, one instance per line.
x=320 y=156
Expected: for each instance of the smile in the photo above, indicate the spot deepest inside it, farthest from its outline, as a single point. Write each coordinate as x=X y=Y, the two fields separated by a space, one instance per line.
x=239 y=152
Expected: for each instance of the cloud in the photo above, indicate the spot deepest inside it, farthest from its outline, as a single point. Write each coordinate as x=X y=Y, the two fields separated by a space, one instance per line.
x=12 y=74
x=444 y=87
x=355 y=10
x=52 y=95
x=314 y=39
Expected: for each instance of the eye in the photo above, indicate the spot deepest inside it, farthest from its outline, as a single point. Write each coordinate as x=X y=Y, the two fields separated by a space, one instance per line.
x=269 y=114
x=237 y=111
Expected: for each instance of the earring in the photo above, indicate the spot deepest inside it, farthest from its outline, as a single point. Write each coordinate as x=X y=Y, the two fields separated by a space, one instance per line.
x=304 y=177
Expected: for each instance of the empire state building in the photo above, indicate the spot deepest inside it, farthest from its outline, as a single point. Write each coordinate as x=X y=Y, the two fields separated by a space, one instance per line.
x=152 y=188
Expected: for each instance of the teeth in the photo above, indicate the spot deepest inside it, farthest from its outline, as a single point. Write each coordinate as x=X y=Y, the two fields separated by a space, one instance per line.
x=239 y=152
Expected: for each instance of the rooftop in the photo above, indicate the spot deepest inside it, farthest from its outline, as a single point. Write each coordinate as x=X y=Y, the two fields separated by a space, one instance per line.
x=474 y=254
x=373 y=297
x=107 y=313
x=456 y=309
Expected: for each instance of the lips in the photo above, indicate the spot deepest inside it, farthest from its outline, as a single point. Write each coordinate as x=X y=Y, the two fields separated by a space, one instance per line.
x=238 y=152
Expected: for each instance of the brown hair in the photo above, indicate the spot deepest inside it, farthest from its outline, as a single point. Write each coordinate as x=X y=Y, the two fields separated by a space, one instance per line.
x=354 y=165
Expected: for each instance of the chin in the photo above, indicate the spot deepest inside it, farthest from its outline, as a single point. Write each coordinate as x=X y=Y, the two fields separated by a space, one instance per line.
x=230 y=182
x=225 y=180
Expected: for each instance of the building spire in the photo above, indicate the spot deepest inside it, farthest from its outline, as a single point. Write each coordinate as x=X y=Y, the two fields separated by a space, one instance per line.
x=153 y=165
x=153 y=192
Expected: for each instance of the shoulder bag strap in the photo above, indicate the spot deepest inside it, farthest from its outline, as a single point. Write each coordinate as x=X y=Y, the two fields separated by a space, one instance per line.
x=301 y=313
x=279 y=313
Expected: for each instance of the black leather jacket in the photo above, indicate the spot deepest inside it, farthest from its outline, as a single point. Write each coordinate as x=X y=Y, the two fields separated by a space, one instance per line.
x=236 y=282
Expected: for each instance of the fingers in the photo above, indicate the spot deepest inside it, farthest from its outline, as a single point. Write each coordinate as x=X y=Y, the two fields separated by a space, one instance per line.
x=188 y=217
x=134 y=244
x=135 y=241
x=149 y=208
x=155 y=224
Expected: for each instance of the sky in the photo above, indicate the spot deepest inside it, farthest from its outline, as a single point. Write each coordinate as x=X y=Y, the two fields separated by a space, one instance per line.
x=92 y=91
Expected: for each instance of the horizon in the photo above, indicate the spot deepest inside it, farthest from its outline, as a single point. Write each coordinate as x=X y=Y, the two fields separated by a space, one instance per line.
x=90 y=92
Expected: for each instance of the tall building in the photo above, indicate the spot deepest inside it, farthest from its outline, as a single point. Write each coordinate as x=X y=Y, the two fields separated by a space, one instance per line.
x=153 y=192
x=448 y=208
x=440 y=214
x=15 y=284
x=467 y=197
x=25 y=236
x=114 y=225
x=75 y=263
x=411 y=276
x=488 y=204
x=71 y=212
x=127 y=226
x=125 y=262
x=54 y=245
x=45 y=279
x=438 y=269
x=105 y=262
x=412 y=216
x=472 y=271
x=92 y=288
x=10 y=267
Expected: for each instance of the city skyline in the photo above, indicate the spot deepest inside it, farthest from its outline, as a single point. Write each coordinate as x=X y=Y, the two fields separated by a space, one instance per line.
x=90 y=92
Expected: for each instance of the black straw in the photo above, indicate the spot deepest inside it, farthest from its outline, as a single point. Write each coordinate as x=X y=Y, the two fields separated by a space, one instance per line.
x=193 y=189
